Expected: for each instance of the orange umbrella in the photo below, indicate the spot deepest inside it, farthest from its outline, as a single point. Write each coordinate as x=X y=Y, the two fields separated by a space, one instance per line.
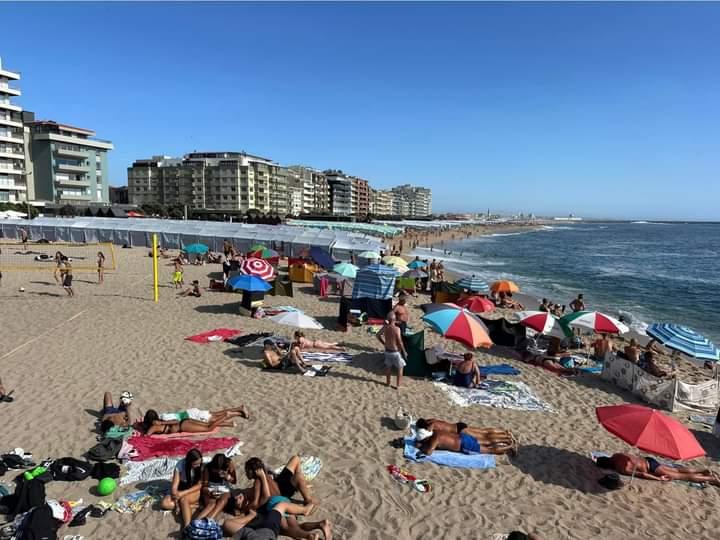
x=505 y=286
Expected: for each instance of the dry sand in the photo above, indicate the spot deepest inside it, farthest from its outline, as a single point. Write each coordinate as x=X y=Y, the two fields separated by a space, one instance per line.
x=60 y=354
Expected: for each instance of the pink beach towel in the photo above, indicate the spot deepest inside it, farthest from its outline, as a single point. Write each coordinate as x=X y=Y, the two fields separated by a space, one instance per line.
x=144 y=447
x=222 y=333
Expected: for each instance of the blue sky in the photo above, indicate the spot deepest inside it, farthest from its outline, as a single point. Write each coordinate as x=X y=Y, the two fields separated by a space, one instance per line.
x=605 y=110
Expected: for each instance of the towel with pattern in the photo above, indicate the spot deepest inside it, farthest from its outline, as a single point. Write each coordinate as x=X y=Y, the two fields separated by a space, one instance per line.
x=327 y=357
x=500 y=394
x=143 y=447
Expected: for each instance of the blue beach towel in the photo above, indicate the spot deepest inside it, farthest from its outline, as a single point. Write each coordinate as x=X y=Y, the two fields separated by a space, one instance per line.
x=449 y=459
x=499 y=369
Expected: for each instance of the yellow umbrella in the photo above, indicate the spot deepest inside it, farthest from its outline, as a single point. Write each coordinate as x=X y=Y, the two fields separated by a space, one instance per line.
x=505 y=286
x=391 y=260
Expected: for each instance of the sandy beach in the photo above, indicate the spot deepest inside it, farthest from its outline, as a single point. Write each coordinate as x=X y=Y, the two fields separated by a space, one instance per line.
x=60 y=354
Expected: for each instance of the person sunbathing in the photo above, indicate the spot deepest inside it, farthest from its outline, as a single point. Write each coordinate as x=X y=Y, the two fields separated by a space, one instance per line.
x=116 y=416
x=316 y=344
x=485 y=436
x=650 y=366
x=274 y=358
x=152 y=425
x=185 y=487
x=461 y=442
x=650 y=469
x=215 y=485
x=208 y=417
x=253 y=526
x=467 y=374
x=549 y=361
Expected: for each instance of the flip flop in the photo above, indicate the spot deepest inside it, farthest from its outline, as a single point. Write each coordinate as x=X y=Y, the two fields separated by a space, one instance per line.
x=423 y=486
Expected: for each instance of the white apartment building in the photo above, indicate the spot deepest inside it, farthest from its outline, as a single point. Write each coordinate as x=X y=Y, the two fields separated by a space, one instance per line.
x=13 y=177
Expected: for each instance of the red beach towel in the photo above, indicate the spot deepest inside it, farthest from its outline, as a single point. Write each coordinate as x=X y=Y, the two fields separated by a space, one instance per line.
x=145 y=447
x=223 y=333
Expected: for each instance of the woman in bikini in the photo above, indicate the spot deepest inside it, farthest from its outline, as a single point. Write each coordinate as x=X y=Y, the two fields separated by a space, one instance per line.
x=190 y=421
x=185 y=488
x=317 y=344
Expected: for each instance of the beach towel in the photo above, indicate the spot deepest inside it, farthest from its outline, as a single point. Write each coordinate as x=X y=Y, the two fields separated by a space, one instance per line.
x=144 y=447
x=708 y=420
x=662 y=461
x=327 y=357
x=147 y=471
x=137 y=501
x=279 y=341
x=242 y=341
x=498 y=369
x=219 y=334
x=500 y=394
x=448 y=459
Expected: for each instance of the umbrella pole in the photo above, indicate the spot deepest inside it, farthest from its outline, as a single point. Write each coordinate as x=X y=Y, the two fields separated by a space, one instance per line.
x=632 y=476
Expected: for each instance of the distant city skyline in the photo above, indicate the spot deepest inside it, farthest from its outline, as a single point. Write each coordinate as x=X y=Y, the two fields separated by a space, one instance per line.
x=600 y=110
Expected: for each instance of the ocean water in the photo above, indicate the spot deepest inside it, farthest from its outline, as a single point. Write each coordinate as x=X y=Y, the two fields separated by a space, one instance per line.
x=648 y=271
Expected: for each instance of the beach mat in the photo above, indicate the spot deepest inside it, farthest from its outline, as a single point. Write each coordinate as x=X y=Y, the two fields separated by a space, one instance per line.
x=448 y=459
x=498 y=369
x=219 y=334
x=499 y=394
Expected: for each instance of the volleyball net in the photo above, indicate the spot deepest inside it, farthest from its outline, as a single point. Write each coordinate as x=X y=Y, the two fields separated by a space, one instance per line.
x=33 y=256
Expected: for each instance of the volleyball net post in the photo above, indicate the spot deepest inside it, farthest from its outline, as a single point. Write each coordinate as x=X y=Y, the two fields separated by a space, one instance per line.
x=156 y=285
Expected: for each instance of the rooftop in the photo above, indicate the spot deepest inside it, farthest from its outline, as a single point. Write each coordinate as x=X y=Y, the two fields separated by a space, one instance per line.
x=54 y=126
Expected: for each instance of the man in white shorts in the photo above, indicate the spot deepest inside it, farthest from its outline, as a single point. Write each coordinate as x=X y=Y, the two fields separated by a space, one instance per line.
x=395 y=354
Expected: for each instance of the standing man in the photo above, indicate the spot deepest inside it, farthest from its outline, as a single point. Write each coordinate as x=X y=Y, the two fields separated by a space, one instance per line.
x=67 y=277
x=401 y=313
x=24 y=238
x=578 y=304
x=395 y=354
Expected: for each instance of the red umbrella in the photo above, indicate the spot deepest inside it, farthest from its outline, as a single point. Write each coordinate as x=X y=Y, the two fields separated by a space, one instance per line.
x=477 y=304
x=257 y=267
x=650 y=430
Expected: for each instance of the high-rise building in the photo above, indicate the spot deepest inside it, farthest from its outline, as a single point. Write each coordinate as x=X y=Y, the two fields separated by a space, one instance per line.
x=360 y=196
x=381 y=202
x=295 y=192
x=340 y=193
x=316 y=190
x=119 y=195
x=213 y=180
x=411 y=201
x=13 y=174
x=69 y=165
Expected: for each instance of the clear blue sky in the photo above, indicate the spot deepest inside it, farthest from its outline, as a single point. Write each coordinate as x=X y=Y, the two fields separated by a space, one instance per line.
x=607 y=110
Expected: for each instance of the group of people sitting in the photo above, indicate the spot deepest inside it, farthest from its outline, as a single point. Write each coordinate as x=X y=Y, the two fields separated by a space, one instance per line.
x=275 y=357
x=261 y=511
x=645 y=359
x=548 y=307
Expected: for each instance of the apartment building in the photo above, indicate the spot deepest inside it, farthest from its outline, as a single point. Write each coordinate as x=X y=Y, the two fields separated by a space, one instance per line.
x=360 y=196
x=13 y=173
x=69 y=164
x=213 y=180
x=340 y=193
x=381 y=202
x=316 y=190
x=411 y=201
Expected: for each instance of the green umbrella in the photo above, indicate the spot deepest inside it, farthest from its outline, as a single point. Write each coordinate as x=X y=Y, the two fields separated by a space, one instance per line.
x=346 y=270
x=196 y=248
x=256 y=247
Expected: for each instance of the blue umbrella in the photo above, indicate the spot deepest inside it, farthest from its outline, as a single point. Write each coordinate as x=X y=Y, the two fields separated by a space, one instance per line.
x=196 y=248
x=416 y=264
x=375 y=281
x=684 y=340
x=249 y=283
x=322 y=257
x=474 y=284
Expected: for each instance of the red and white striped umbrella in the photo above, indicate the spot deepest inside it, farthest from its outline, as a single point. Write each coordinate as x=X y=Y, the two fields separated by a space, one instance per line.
x=540 y=321
x=257 y=267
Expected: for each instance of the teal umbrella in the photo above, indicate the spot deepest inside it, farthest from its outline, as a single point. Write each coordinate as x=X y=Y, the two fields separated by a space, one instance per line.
x=196 y=248
x=346 y=270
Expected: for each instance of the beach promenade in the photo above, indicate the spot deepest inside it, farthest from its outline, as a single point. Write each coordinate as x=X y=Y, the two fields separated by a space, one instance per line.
x=60 y=354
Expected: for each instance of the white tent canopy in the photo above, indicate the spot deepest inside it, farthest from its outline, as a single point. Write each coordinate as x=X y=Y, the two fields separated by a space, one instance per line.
x=174 y=234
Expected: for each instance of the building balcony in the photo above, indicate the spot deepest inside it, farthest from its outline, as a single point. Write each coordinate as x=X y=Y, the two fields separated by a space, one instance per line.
x=67 y=182
x=75 y=197
x=10 y=184
x=10 y=122
x=72 y=168
x=11 y=170
x=16 y=138
x=11 y=155
x=5 y=89
x=10 y=107
x=60 y=151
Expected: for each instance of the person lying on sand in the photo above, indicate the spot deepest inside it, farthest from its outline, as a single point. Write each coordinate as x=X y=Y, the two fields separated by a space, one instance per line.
x=208 y=417
x=485 y=436
x=274 y=358
x=153 y=425
x=116 y=416
x=185 y=486
x=467 y=374
x=254 y=526
x=550 y=361
x=429 y=441
x=650 y=469
x=316 y=344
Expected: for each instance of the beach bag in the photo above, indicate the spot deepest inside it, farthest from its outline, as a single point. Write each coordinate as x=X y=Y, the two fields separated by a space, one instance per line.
x=203 y=529
x=69 y=469
x=105 y=470
x=105 y=450
x=403 y=419
x=28 y=494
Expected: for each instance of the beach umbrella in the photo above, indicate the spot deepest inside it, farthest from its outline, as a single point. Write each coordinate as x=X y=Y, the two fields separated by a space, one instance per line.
x=401 y=269
x=196 y=249
x=650 y=430
x=477 y=304
x=257 y=267
x=264 y=253
x=322 y=257
x=595 y=321
x=474 y=284
x=392 y=260
x=459 y=325
x=684 y=340
x=431 y=308
x=414 y=273
x=243 y=282
x=504 y=285
x=256 y=247
x=540 y=321
x=346 y=270
x=297 y=319
x=417 y=264
x=370 y=255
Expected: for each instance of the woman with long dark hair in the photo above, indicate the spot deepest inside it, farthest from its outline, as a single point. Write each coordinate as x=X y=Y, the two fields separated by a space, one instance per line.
x=185 y=489
x=217 y=477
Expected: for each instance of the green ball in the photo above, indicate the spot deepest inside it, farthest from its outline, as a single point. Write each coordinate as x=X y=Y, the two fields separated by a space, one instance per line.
x=106 y=486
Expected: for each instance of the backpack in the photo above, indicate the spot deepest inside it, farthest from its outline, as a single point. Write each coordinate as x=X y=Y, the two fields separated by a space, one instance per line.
x=105 y=470
x=105 y=450
x=203 y=529
x=70 y=469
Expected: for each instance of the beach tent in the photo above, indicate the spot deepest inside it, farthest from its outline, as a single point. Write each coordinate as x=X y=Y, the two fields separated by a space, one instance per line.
x=375 y=281
x=415 y=347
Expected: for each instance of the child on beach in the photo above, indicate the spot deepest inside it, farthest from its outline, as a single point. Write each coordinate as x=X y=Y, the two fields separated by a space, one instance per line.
x=193 y=291
x=67 y=277
x=178 y=274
